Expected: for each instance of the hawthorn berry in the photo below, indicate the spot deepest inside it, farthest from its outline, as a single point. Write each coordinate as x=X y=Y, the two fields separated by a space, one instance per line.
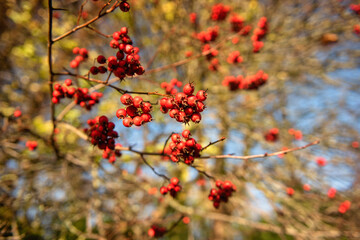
x=17 y=113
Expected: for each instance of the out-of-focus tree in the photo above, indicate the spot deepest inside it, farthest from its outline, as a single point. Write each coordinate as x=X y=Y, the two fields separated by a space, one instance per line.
x=280 y=78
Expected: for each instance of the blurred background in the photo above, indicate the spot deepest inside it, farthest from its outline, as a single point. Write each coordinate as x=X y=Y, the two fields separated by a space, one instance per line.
x=311 y=54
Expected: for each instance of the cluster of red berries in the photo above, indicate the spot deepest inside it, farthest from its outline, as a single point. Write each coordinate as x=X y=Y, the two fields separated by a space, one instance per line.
x=344 y=206
x=219 y=12
x=184 y=106
x=81 y=95
x=259 y=34
x=101 y=131
x=251 y=82
x=237 y=22
x=214 y=62
x=124 y=6
x=137 y=111
x=222 y=194
x=185 y=150
x=234 y=57
x=31 y=145
x=126 y=62
x=173 y=187
x=156 y=231
x=296 y=133
x=272 y=135
x=63 y=91
x=355 y=8
x=82 y=55
x=212 y=51
x=208 y=36
x=170 y=87
x=112 y=154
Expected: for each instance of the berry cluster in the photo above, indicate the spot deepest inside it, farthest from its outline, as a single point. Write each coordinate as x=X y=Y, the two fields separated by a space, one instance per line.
x=236 y=22
x=251 y=82
x=62 y=91
x=219 y=12
x=137 y=111
x=355 y=8
x=344 y=206
x=222 y=194
x=82 y=55
x=112 y=154
x=296 y=133
x=156 y=231
x=259 y=34
x=124 y=6
x=170 y=87
x=208 y=36
x=185 y=150
x=86 y=100
x=184 y=106
x=272 y=135
x=31 y=145
x=102 y=133
x=126 y=62
x=81 y=95
x=234 y=57
x=173 y=187
x=214 y=64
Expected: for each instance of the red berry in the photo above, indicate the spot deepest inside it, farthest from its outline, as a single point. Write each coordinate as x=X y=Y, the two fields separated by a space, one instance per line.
x=131 y=111
x=188 y=89
x=121 y=113
x=127 y=122
x=163 y=190
x=103 y=120
x=186 y=133
x=196 y=118
x=68 y=82
x=146 y=107
x=201 y=95
x=124 y=6
x=101 y=59
x=175 y=138
x=137 y=101
x=174 y=181
x=126 y=99
x=138 y=121
x=76 y=50
x=17 y=113
x=94 y=70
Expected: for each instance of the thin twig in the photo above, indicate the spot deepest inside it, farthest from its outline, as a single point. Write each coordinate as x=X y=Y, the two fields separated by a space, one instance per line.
x=261 y=155
x=98 y=32
x=115 y=5
x=167 y=140
x=212 y=143
x=153 y=169
x=51 y=78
